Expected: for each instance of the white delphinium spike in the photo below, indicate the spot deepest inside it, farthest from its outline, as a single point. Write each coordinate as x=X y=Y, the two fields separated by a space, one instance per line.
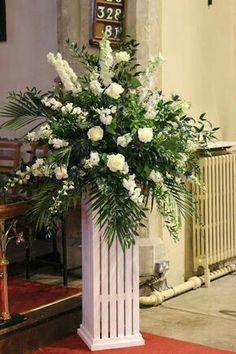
x=106 y=61
x=65 y=72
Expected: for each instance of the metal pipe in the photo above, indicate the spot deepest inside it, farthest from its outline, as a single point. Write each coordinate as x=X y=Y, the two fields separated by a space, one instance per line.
x=157 y=297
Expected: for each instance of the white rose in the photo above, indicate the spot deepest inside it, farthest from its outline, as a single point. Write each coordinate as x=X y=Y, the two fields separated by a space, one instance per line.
x=114 y=90
x=116 y=162
x=122 y=56
x=95 y=133
x=61 y=172
x=145 y=135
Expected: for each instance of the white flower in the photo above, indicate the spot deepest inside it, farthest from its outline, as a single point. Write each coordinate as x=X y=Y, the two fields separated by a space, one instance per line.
x=77 y=110
x=32 y=136
x=122 y=57
x=68 y=108
x=106 y=119
x=156 y=177
x=116 y=162
x=106 y=61
x=66 y=73
x=124 y=140
x=145 y=135
x=58 y=143
x=125 y=169
x=135 y=197
x=114 y=90
x=44 y=132
x=51 y=102
x=129 y=184
x=37 y=168
x=192 y=146
x=95 y=133
x=96 y=87
x=61 y=172
x=93 y=160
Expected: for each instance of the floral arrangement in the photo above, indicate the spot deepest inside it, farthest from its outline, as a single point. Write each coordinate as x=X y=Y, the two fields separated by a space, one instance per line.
x=112 y=135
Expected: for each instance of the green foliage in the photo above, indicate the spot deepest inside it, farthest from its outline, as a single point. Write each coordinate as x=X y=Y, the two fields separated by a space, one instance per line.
x=112 y=134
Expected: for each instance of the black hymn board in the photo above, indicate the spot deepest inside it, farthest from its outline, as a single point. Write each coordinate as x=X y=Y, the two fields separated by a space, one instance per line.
x=107 y=17
x=3 y=32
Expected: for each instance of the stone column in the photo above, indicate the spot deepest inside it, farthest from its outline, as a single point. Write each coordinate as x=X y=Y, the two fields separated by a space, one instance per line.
x=144 y=21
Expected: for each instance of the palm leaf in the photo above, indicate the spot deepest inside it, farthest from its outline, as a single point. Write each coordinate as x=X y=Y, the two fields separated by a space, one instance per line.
x=23 y=109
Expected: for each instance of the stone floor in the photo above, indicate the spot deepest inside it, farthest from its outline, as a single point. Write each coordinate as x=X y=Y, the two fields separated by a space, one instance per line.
x=206 y=316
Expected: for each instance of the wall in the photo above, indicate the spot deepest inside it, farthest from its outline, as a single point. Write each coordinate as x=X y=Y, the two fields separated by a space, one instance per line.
x=31 y=34
x=199 y=44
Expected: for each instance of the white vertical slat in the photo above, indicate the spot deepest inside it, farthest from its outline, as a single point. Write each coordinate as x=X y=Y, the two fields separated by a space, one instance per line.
x=228 y=205
x=95 y=286
x=224 y=208
x=217 y=207
x=113 y=290
x=120 y=291
x=84 y=229
x=195 y=228
x=209 y=207
x=214 y=226
x=230 y=194
x=233 y=204
x=104 y=287
x=128 y=292
x=135 y=289
x=221 y=206
x=206 y=212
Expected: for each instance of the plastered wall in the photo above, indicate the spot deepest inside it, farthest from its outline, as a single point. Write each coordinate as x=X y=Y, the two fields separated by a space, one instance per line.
x=31 y=34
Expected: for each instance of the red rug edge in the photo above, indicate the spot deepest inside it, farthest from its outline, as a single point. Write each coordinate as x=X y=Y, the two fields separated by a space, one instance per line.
x=65 y=346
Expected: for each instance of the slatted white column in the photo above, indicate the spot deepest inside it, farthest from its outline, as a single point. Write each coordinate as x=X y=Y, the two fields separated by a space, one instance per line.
x=110 y=312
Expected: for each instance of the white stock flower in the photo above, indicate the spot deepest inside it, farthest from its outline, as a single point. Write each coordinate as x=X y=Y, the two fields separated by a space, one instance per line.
x=114 y=90
x=51 y=102
x=96 y=87
x=58 y=143
x=61 y=172
x=93 y=160
x=77 y=110
x=156 y=177
x=192 y=146
x=116 y=162
x=145 y=135
x=136 y=197
x=95 y=133
x=106 y=119
x=124 y=140
x=129 y=184
x=32 y=136
x=68 y=108
x=122 y=57
x=45 y=132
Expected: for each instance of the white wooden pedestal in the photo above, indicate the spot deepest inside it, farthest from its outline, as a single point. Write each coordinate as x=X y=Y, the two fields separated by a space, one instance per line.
x=110 y=307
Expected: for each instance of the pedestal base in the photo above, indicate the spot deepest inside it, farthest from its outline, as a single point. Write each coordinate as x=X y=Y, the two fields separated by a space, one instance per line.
x=15 y=319
x=109 y=343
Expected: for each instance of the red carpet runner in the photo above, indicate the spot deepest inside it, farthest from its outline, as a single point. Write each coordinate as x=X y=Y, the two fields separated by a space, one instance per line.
x=25 y=295
x=154 y=345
